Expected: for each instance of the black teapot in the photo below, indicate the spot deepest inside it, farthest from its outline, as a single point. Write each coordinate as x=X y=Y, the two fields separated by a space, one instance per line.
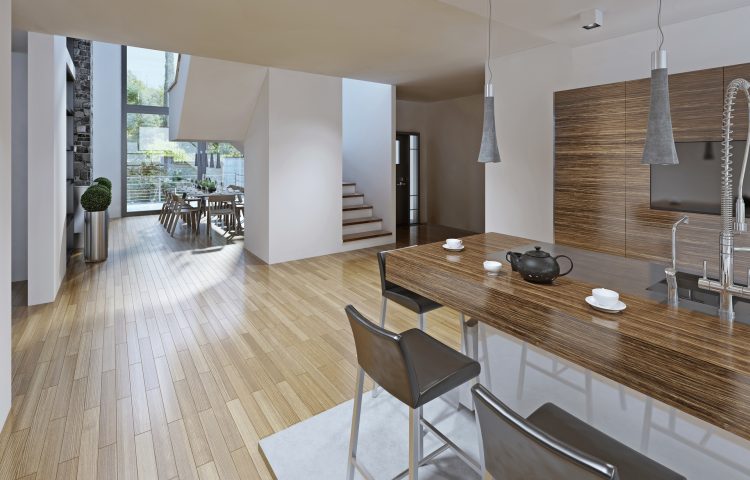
x=538 y=266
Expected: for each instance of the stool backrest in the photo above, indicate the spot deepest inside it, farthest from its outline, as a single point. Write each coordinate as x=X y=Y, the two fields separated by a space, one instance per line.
x=380 y=354
x=516 y=449
x=384 y=284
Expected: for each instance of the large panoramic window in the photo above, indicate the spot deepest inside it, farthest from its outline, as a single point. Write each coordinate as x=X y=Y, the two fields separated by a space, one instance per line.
x=154 y=166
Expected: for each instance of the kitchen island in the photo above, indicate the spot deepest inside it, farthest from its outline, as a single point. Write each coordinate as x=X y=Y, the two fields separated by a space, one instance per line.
x=686 y=359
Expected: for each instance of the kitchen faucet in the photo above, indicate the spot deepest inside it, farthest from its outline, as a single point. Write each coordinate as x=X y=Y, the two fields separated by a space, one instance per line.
x=725 y=285
x=671 y=272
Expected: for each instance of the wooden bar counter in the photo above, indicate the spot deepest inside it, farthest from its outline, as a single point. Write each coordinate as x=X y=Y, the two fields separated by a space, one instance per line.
x=685 y=358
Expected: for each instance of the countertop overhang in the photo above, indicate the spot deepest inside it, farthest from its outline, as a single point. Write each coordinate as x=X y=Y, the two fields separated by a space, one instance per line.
x=685 y=358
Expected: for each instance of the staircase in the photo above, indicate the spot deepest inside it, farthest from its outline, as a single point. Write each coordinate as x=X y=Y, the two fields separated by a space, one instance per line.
x=358 y=222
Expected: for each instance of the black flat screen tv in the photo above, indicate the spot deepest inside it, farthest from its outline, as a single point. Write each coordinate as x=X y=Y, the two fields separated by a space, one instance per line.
x=694 y=185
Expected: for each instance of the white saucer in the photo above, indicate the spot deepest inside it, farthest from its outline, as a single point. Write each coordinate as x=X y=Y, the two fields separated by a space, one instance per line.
x=617 y=307
x=445 y=246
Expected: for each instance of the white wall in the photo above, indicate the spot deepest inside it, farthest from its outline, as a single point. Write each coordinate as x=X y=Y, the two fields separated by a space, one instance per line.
x=47 y=162
x=305 y=167
x=107 y=120
x=451 y=180
x=519 y=191
x=368 y=140
x=257 y=179
x=20 y=166
x=5 y=213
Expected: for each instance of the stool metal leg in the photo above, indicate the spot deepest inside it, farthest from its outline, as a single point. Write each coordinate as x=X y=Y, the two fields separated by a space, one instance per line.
x=415 y=441
x=383 y=307
x=356 y=415
x=421 y=321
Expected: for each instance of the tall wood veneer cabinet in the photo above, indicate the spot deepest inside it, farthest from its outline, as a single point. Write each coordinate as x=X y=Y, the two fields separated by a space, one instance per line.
x=590 y=168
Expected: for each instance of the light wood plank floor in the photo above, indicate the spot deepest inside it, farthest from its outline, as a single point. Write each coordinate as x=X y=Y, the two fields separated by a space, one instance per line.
x=174 y=357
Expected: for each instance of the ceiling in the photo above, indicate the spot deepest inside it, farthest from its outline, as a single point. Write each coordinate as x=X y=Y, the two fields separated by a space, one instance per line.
x=431 y=49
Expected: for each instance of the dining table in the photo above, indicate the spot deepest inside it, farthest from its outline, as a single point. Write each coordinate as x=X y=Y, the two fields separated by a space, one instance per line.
x=684 y=357
x=201 y=199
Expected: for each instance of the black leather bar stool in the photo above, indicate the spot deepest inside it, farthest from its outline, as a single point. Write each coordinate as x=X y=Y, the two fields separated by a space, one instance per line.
x=551 y=443
x=413 y=367
x=414 y=302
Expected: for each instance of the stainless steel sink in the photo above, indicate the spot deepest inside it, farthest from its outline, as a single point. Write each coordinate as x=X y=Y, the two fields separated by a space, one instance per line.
x=687 y=289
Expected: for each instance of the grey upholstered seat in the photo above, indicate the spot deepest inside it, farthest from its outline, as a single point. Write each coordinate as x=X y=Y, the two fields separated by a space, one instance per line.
x=552 y=443
x=413 y=367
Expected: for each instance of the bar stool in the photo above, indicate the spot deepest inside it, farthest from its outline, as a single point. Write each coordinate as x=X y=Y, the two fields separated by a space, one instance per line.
x=415 y=368
x=412 y=301
x=551 y=443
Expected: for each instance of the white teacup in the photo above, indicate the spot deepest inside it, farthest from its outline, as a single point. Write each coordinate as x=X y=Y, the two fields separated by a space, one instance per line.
x=492 y=267
x=605 y=297
x=454 y=243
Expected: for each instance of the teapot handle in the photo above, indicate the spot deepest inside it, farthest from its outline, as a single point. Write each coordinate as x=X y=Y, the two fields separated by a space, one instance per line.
x=571 y=264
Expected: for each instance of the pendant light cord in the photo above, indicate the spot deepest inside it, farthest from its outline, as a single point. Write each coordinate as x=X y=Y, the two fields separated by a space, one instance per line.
x=658 y=23
x=489 y=39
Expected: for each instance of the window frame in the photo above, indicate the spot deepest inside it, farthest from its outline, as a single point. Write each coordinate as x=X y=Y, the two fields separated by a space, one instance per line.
x=125 y=109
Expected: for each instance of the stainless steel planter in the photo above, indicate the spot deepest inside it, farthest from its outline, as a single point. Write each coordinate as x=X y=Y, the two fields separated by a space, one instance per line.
x=96 y=226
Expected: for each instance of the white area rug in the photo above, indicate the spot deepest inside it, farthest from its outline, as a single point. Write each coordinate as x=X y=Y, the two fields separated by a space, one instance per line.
x=317 y=448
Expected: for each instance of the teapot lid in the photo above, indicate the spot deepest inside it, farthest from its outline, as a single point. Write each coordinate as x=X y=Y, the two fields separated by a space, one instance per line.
x=537 y=252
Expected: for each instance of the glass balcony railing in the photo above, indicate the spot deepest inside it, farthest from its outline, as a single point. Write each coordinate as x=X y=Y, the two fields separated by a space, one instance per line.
x=148 y=192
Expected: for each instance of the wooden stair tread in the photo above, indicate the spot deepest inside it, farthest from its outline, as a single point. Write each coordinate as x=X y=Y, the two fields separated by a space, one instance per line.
x=357 y=221
x=350 y=195
x=350 y=237
x=356 y=207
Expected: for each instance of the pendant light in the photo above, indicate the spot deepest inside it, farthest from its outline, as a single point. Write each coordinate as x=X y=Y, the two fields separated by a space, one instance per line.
x=488 y=151
x=659 y=148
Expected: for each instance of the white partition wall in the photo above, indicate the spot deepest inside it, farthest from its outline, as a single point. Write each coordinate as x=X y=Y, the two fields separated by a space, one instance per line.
x=368 y=136
x=256 y=178
x=5 y=214
x=305 y=165
x=20 y=166
x=294 y=142
x=47 y=166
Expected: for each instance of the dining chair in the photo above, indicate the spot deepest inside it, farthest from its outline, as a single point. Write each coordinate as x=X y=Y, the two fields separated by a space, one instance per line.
x=166 y=210
x=552 y=443
x=415 y=368
x=181 y=209
x=222 y=206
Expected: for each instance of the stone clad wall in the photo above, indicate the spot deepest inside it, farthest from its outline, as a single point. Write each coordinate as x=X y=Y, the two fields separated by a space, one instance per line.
x=80 y=51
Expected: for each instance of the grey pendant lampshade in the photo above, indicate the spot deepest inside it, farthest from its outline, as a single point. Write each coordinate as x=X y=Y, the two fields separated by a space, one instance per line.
x=659 y=148
x=488 y=151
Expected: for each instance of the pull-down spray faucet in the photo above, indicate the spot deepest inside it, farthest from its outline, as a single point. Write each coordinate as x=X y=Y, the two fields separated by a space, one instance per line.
x=725 y=286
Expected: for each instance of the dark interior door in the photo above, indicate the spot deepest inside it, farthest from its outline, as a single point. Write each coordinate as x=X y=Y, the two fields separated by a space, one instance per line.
x=402 y=179
x=407 y=178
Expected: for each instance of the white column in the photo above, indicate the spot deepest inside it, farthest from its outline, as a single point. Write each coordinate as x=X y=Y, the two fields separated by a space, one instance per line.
x=5 y=210
x=47 y=166
x=106 y=64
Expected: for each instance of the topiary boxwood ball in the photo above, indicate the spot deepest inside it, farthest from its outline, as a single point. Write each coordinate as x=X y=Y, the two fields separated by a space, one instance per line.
x=104 y=182
x=96 y=198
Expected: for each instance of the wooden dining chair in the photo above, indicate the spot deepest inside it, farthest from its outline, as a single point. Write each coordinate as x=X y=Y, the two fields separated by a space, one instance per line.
x=182 y=210
x=222 y=206
x=166 y=211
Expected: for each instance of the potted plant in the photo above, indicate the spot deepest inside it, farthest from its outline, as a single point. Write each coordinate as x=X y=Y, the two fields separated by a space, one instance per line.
x=208 y=185
x=95 y=201
x=104 y=182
